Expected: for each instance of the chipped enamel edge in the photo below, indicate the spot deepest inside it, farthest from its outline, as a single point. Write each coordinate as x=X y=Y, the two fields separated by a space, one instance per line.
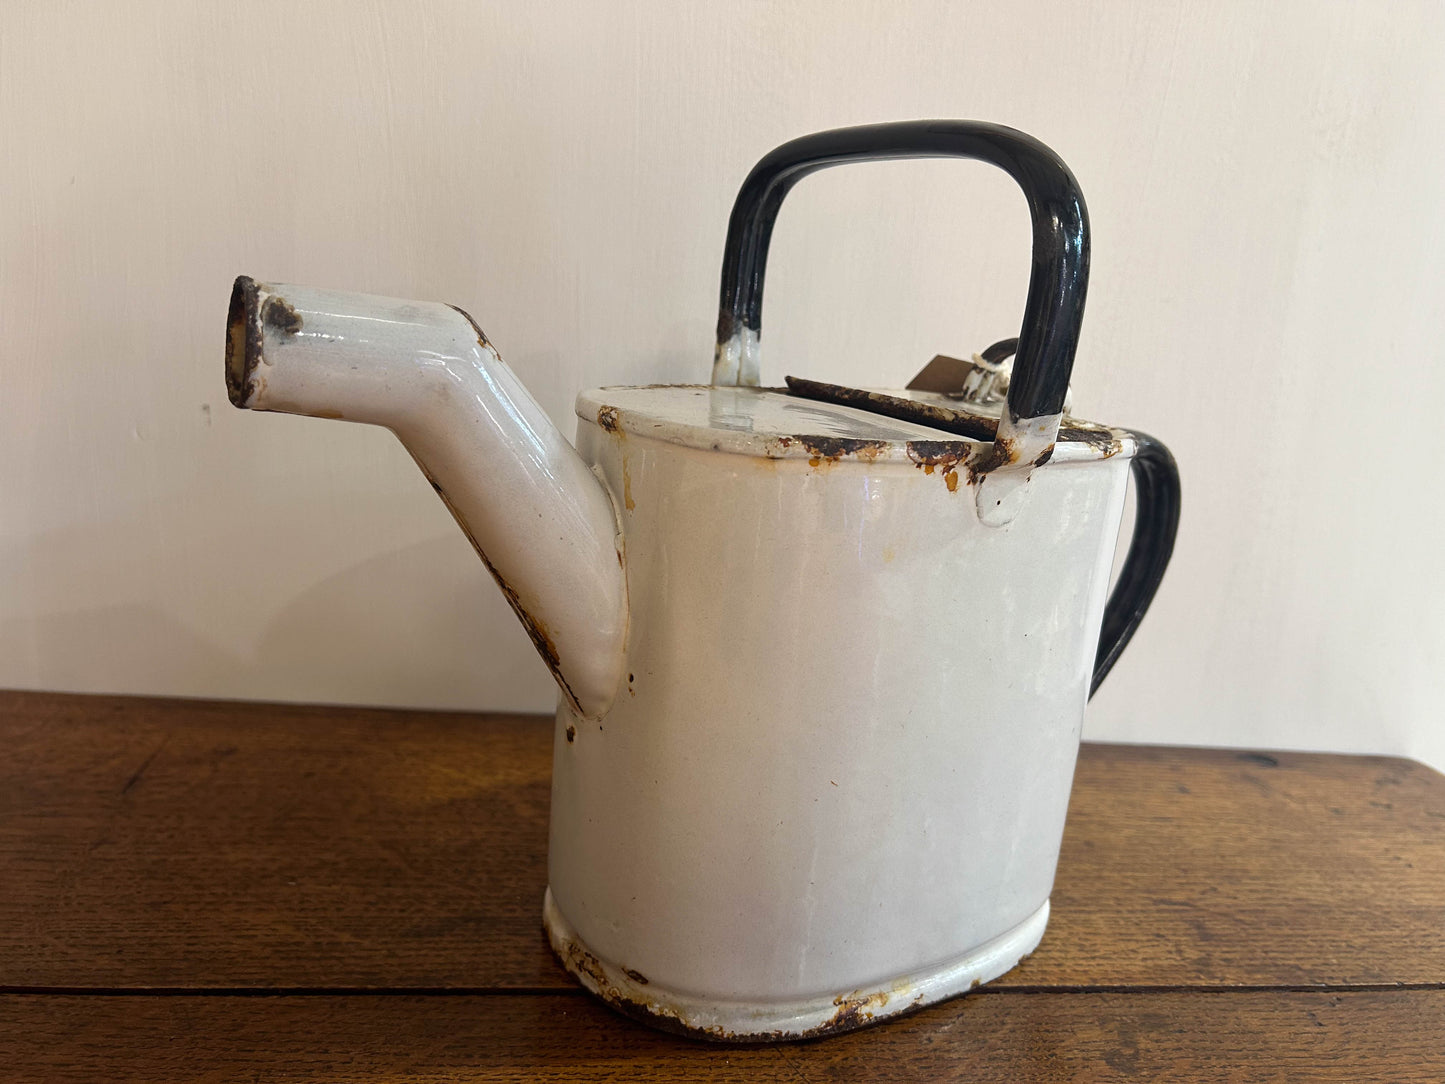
x=716 y=1020
x=595 y=407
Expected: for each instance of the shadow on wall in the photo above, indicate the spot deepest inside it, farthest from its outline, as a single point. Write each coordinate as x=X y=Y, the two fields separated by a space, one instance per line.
x=422 y=625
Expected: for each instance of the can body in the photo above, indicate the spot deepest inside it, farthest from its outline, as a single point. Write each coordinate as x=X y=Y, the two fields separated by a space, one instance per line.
x=835 y=784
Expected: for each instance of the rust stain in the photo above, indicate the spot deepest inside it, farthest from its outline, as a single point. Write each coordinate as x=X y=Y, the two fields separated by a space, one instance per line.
x=777 y=448
x=536 y=629
x=945 y=455
x=1099 y=437
x=626 y=485
x=607 y=418
x=243 y=340
x=582 y=962
x=277 y=313
x=938 y=453
x=990 y=457
x=832 y=449
x=851 y=1011
x=571 y=734
x=481 y=335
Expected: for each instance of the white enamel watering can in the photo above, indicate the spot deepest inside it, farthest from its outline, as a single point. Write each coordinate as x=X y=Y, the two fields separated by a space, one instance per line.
x=823 y=653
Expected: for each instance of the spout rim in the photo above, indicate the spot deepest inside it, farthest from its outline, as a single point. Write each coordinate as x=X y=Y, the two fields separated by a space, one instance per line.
x=243 y=339
x=256 y=309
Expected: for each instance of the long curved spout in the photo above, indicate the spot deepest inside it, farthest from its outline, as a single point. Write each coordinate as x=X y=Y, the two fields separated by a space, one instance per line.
x=541 y=520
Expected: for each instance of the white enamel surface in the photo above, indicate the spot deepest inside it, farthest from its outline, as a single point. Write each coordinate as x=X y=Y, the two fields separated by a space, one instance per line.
x=792 y=1018
x=1002 y=491
x=738 y=360
x=845 y=746
x=531 y=506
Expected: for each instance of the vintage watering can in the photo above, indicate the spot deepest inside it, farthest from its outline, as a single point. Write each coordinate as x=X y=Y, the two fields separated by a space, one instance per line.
x=823 y=653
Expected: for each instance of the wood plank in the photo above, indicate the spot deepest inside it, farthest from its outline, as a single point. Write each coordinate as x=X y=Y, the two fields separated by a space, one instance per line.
x=1184 y=1036
x=175 y=843
x=168 y=843
x=1217 y=867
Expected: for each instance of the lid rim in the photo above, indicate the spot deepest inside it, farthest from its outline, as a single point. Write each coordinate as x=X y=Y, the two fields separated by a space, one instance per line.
x=860 y=435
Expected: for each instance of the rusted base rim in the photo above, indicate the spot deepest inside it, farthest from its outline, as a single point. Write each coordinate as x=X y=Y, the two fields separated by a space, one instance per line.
x=781 y=1021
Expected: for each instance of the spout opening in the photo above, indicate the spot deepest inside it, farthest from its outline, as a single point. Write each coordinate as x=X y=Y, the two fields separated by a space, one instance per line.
x=243 y=340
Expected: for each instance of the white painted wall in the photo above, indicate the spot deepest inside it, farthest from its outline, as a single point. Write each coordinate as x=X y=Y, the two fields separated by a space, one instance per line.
x=1265 y=182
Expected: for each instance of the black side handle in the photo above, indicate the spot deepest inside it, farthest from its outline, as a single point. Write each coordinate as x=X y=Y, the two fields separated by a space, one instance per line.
x=1156 y=522
x=1059 y=280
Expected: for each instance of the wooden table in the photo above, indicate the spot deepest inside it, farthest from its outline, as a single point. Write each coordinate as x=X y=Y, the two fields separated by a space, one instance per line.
x=213 y=891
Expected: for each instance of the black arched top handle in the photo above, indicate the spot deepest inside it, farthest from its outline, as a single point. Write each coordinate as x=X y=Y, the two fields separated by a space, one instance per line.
x=1055 y=305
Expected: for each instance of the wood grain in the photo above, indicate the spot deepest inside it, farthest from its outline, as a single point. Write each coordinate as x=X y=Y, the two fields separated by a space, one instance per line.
x=185 y=844
x=173 y=843
x=1201 y=1038
x=1218 y=867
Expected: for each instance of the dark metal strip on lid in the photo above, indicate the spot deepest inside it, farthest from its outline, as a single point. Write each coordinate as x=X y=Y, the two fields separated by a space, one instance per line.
x=936 y=415
x=972 y=426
